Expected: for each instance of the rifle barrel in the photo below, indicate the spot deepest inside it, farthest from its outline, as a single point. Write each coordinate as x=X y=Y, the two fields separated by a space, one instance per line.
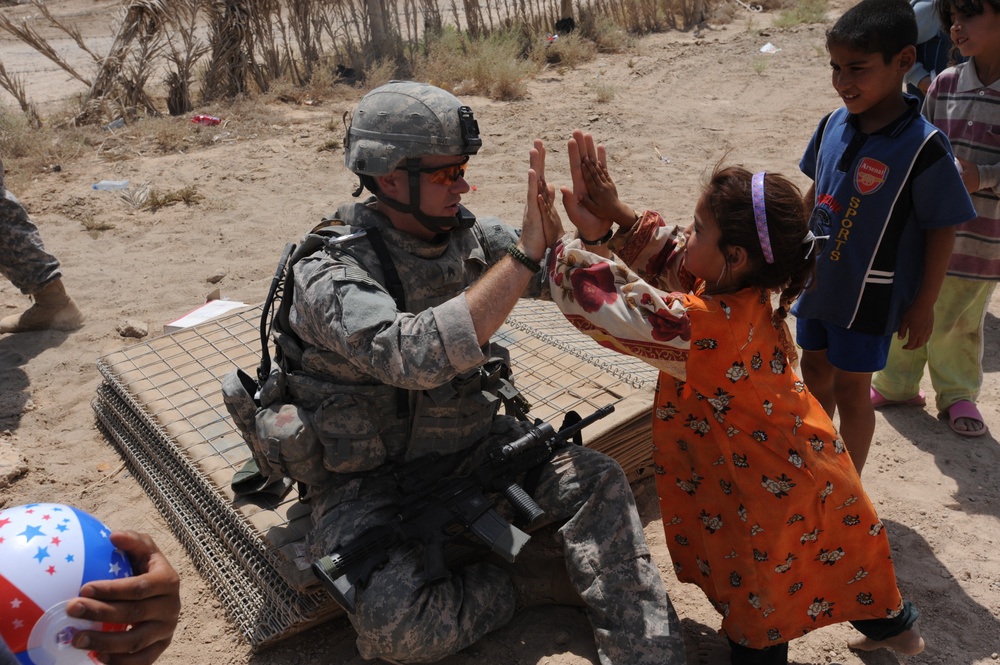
x=543 y=432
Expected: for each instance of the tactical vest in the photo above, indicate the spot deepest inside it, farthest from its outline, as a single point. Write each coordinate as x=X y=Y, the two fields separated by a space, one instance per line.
x=320 y=420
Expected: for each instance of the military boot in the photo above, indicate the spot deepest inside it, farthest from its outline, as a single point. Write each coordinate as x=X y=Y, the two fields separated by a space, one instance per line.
x=52 y=310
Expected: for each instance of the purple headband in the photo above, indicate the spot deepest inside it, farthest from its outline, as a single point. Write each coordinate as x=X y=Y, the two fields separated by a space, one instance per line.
x=760 y=216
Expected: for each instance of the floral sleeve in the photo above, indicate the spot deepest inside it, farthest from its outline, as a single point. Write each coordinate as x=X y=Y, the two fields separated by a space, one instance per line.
x=655 y=250
x=609 y=302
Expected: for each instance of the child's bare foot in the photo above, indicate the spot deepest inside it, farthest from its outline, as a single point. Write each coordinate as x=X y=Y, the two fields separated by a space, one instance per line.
x=909 y=643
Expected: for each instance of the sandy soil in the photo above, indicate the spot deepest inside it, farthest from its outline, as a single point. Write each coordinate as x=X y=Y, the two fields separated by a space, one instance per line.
x=683 y=102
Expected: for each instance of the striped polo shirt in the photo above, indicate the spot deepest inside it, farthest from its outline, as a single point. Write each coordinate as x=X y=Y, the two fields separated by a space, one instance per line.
x=969 y=113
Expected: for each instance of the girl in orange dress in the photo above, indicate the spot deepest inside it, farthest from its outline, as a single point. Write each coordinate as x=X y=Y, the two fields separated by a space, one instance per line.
x=761 y=504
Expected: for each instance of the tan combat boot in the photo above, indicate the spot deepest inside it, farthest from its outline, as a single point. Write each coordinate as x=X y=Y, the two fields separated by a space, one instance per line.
x=53 y=310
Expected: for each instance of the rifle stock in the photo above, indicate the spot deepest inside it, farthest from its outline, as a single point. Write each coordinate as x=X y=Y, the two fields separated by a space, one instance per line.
x=438 y=510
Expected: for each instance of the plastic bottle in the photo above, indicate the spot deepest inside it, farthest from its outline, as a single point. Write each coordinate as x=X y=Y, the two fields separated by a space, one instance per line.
x=111 y=184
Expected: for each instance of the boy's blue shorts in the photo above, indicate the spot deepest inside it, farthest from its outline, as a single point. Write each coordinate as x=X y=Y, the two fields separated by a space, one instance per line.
x=845 y=349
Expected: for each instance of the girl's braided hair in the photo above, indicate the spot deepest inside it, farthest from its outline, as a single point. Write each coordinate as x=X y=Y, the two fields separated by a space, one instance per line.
x=728 y=192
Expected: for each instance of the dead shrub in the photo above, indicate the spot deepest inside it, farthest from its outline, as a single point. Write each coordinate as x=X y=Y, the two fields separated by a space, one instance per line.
x=804 y=11
x=379 y=73
x=93 y=226
x=492 y=66
x=187 y=195
x=608 y=36
x=571 y=50
x=445 y=60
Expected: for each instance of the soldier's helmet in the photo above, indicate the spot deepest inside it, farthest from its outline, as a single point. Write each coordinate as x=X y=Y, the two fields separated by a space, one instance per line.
x=407 y=120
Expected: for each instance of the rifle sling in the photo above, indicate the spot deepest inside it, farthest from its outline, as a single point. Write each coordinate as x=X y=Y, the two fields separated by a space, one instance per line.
x=395 y=287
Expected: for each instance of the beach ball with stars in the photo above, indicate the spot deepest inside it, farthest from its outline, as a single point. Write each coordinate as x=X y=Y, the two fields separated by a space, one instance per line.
x=48 y=551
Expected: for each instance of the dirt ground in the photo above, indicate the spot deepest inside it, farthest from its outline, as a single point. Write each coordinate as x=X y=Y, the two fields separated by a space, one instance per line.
x=682 y=102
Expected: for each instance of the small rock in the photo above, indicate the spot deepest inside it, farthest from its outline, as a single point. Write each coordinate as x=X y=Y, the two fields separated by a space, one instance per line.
x=562 y=638
x=56 y=168
x=12 y=464
x=217 y=276
x=132 y=328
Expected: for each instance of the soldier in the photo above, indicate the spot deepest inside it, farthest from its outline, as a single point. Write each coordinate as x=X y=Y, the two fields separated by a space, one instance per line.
x=24 y=261
x=387 y=348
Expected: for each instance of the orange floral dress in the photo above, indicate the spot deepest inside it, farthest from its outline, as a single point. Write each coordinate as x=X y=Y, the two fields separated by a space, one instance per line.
x=760 y=502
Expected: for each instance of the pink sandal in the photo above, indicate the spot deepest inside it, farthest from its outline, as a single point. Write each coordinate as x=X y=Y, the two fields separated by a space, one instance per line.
x=963 y=408
x=879 y=400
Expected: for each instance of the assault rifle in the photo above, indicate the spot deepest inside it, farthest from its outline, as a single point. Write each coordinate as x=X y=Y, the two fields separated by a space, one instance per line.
x=437 y=509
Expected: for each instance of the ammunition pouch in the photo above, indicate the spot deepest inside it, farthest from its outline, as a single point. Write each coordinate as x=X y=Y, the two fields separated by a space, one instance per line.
x=259 y=474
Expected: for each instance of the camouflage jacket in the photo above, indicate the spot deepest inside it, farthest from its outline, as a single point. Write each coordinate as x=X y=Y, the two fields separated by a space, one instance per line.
x=382 y=384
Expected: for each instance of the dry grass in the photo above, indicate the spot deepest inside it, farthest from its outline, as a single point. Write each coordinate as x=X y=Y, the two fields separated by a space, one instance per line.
x=607 y=35
x=154 y=199
x=304 y=52
x=330 y=145
x=604 y=92
x=494 y=66
x=569 y=51
x=94 y=227
x=804 y=11
x=28 y=151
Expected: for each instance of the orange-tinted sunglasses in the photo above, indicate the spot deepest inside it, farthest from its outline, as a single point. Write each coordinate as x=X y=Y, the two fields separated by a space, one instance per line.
x=446 y=175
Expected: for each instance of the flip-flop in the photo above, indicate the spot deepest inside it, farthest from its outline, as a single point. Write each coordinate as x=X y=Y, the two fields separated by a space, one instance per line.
x=963 y=408
x=879 y=400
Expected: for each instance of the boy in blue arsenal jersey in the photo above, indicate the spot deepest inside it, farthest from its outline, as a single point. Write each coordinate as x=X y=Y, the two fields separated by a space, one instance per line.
x=887 y=195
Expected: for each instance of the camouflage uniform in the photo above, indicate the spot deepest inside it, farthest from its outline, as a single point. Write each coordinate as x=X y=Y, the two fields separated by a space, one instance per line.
x=23 y=259
x=357 y=350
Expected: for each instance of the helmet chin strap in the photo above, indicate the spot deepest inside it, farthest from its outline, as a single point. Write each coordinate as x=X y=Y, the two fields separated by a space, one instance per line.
x=435 y=224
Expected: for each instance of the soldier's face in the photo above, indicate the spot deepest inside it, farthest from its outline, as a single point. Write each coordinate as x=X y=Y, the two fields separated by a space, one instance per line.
x=442 y=183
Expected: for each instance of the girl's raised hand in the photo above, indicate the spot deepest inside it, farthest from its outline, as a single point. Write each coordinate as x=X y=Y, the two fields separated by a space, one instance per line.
x=581 y=149
x=602 y=200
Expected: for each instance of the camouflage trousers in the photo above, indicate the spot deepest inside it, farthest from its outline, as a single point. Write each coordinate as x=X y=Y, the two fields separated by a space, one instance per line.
x=23 y=259
x=401 y=617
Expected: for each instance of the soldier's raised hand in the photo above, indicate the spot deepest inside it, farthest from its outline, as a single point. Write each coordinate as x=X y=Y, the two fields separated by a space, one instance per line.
x=538 y=231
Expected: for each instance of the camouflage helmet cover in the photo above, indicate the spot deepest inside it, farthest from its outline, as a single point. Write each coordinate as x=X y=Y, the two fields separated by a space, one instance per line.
x=405 y=119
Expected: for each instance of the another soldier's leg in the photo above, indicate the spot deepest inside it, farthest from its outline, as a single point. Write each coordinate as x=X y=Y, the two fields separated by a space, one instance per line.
x=24 y=261
x=608 y=559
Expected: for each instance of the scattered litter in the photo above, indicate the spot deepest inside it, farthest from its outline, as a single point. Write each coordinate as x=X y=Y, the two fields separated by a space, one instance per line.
x=552 y=39
x=115 y=124
x=749 y=6
x=663 y=158
x=110 y=184
x=769 y=48
x=206 y=119
x=209 y=310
